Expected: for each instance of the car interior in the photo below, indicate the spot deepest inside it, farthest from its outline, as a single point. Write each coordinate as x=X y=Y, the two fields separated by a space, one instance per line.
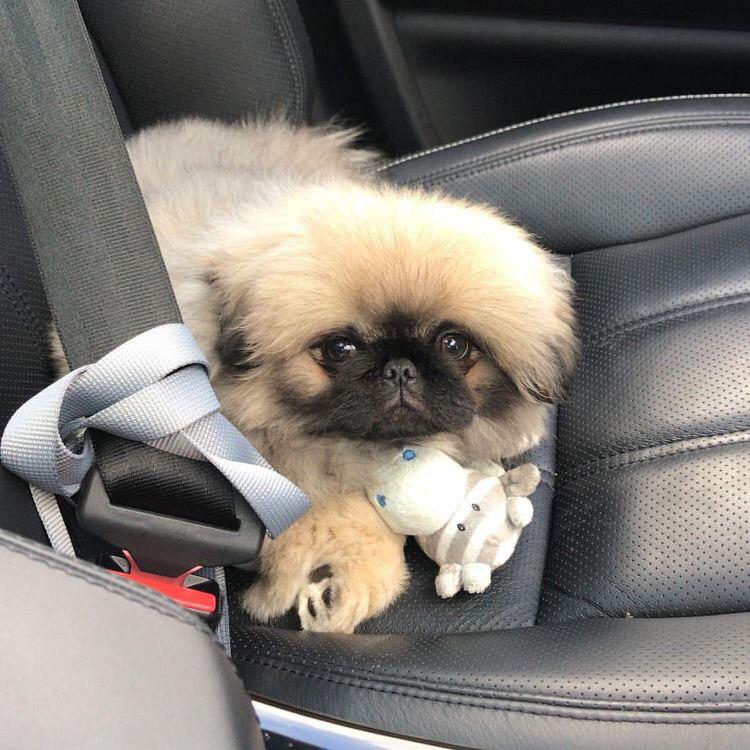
x=619 y=136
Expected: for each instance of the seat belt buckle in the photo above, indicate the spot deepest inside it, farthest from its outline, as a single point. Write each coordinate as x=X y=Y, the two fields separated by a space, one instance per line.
x=164 y=551
x=197 y=594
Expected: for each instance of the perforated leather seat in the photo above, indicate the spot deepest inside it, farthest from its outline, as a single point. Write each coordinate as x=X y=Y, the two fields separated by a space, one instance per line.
x=637 y=584
x=624 y=617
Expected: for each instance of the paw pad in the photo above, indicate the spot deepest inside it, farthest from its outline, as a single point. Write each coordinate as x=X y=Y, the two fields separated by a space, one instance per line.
x=327 y=597
x=316 y=603
x=381 y=500
x=320 y=574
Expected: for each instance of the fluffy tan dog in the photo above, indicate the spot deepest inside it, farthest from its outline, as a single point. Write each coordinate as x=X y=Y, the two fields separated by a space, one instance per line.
x=340 y=314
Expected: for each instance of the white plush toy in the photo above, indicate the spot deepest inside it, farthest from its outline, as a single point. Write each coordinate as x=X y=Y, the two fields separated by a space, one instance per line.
x=467 y=520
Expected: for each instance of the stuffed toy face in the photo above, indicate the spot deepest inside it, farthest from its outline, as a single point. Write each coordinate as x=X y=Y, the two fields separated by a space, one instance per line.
x=467 y=521
x=416 y=490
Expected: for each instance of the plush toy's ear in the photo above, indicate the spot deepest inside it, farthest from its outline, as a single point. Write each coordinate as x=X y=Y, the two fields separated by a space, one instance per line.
x=521 y=481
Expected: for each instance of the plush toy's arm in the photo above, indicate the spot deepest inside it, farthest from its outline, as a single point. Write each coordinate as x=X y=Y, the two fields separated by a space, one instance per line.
x=520 y=511
x=521 y=481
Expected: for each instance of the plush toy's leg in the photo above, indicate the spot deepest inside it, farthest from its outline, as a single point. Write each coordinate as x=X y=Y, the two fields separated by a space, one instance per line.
x=520 y=511
x=475 y=577
x=448 y=581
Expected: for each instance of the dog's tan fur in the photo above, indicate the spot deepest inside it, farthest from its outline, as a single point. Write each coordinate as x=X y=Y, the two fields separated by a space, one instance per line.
x=280 y=236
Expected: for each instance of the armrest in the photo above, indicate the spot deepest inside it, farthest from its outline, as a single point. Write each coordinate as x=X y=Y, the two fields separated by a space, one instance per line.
x=90 y=661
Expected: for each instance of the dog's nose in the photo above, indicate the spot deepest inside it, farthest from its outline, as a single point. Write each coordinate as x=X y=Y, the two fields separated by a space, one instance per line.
x=400 y=371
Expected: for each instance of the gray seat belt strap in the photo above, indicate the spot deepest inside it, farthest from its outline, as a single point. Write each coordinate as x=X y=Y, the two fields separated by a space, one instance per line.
x=52 y=520
x=152 y=389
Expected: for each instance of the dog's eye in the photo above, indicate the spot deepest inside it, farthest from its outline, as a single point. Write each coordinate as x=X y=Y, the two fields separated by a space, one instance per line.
x=455 y=344
x=339 y=350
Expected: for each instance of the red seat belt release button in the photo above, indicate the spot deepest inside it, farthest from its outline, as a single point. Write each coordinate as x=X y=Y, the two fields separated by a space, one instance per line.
x=187 y=590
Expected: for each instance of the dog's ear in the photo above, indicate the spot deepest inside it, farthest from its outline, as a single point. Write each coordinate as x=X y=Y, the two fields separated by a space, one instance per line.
x=232 y=347
x=548 y=380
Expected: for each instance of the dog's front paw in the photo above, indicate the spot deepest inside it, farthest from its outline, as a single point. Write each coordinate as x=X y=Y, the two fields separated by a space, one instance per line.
x=332 y=604
x=265 y=599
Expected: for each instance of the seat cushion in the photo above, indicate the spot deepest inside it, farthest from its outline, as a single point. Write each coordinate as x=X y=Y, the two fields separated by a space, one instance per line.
x=652 y=507
x=651 y=510
x=651 y=202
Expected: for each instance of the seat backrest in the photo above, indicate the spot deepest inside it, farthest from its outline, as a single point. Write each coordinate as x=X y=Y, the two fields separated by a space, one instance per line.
x=222 y=59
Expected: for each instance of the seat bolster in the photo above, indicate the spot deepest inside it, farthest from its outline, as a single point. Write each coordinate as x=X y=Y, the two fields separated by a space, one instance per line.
x=90 y=661
x=605 y=175
x=596 y=683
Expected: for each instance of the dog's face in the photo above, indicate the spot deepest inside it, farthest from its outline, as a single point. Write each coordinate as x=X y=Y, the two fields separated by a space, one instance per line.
x=401 y=378
x=385 y=315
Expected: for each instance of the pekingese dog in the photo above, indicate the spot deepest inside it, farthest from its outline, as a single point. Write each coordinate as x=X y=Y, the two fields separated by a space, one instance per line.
x=339 y=314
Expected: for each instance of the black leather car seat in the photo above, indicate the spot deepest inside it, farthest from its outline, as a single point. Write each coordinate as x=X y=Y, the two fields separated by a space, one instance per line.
x=640 y=631
x=624 y=617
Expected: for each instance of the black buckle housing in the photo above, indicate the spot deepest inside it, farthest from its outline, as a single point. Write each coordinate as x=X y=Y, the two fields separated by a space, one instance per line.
x=165 y=544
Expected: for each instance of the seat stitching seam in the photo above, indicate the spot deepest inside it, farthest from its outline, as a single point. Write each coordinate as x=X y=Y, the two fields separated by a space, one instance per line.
x=339 y=678
x=290 y=52
x=605 y=335
x=489 y=162
x=557 y=116
x=606 y=463
x=275 y=10
x=579 y=597
x=625 y=245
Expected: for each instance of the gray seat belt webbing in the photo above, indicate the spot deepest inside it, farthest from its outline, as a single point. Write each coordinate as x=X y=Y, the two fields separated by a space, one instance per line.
x=52 y=520
x=153 y=389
